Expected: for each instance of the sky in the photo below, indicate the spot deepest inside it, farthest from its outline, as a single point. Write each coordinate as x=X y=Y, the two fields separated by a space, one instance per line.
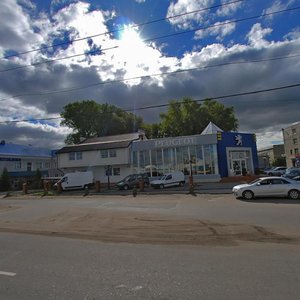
x=139 y=53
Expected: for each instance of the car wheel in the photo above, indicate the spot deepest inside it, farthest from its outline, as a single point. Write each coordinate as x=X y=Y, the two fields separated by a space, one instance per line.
x=294 y=194
x=161 y=186
x=126 y=187
x=248 y=195
x=181 y=183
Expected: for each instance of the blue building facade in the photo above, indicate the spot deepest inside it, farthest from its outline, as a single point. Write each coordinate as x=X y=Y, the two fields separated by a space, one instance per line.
x=209 y=156
x=237 y=153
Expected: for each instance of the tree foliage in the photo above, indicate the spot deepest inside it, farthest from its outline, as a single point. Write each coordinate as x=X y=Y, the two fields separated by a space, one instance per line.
x=87 y=118
x=188 y=117
x=5 y=181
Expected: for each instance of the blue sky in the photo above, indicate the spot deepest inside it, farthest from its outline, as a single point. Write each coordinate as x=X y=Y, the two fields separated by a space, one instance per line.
x=250 y=54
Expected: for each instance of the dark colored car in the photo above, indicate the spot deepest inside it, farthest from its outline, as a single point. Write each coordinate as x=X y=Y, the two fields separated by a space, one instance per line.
x=291 y=172
x=278 y=171
x=132 y=181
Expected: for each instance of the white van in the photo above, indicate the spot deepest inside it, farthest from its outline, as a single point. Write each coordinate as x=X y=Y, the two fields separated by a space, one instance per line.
x=170 y=179
x=76 y=180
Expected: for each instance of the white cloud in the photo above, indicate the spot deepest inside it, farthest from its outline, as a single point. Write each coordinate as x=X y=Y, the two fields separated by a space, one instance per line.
x=218 y=29
x=140 y=1
x=278 y=5
x=16 y=32
x=230 y=9
x=257 y=34
x=135 y=59
x=294 y=34
x=186 y=6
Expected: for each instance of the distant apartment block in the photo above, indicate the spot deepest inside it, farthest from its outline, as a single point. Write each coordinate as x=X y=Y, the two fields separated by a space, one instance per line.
x=267 y=156
x=291 y=138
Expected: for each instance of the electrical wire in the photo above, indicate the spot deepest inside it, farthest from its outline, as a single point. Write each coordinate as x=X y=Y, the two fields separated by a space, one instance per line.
x=149 y=76
x=167 y=104
x=118 y=30
x=152 y=39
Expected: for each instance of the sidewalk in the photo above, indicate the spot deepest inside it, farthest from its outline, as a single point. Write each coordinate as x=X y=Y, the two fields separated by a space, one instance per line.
x=200 y=188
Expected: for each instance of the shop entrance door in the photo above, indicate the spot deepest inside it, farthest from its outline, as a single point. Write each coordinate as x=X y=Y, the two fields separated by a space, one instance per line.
x=238 y=166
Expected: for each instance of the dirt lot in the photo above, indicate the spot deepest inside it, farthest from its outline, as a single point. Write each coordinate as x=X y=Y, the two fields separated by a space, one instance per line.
x=138 y=227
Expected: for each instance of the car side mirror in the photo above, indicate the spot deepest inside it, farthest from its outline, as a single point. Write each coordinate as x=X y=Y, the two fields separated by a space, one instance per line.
x=258 y=184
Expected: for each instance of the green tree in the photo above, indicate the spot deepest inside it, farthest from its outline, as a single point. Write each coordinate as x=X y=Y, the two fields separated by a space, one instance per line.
x=279 y=162
x=188 y=117
x=87 y=118
x=37 y=182
x=5 y=181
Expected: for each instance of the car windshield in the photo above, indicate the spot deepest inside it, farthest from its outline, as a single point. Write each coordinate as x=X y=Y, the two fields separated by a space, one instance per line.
x=127 y=178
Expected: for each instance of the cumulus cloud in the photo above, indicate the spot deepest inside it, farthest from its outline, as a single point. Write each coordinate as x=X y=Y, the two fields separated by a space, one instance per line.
x=219 y=29
x=257 y=34
x=260 y=113
x=16 y=32
x=229 y=9
x=186 y=6
x=278 y=5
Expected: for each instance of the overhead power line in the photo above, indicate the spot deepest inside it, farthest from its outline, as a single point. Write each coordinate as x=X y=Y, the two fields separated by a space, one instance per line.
x=72 y=89
x=151 y=39
x=167 y=104
x=121 y=29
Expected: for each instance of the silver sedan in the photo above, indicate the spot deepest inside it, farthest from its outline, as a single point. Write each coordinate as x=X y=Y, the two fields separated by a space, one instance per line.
x=268 y=186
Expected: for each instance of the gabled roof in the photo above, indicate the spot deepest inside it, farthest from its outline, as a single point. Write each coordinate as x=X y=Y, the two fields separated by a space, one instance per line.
x=211 y=128
x=103 y=143
x=24 y=150
x=112 y=138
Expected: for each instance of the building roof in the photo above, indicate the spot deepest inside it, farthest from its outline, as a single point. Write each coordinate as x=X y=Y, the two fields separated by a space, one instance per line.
x=103 y=143
x=211 y=128
x=23 y=150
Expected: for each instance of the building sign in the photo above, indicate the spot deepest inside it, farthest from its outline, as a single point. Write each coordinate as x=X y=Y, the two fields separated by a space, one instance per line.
x=9 y=159
x=176 y=142
x=239 y=140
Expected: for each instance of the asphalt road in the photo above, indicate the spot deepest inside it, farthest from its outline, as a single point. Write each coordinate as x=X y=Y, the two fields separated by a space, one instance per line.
x=42 y=267
x=37 y=267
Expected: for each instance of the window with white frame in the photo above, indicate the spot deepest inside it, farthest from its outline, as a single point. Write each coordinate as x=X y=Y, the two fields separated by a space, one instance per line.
x=112 y=153
x=18 y=165
x=116 y=171
x=104 y=153
x=39 y=165
x=75 y=156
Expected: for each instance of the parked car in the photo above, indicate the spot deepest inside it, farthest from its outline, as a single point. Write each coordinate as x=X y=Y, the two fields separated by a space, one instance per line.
x=278 y=171
x=291 y=172
x=132 y=181
x=268 y=186
x=170 y=179
x=76 y=180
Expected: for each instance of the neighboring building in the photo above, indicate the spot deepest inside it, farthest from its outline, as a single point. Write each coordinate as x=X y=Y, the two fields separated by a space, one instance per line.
x=267 y=156
x=22 y=162
x=208 y=156
x=291 y=138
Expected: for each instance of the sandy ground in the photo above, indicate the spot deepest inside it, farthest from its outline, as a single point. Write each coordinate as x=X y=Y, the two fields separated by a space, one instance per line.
x=137 y=227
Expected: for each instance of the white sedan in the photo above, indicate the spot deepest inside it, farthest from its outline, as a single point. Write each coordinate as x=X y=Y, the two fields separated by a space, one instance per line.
x=268 y=186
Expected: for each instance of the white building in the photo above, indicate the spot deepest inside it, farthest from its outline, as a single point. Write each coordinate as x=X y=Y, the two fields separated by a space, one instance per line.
x=110 y=155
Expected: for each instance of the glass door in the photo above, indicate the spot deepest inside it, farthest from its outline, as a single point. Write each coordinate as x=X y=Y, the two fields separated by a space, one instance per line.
x=239 y=166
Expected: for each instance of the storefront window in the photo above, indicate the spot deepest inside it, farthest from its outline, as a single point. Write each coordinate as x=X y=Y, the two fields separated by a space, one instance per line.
x=209 y=159
x=199 y=161
x=144 y=160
